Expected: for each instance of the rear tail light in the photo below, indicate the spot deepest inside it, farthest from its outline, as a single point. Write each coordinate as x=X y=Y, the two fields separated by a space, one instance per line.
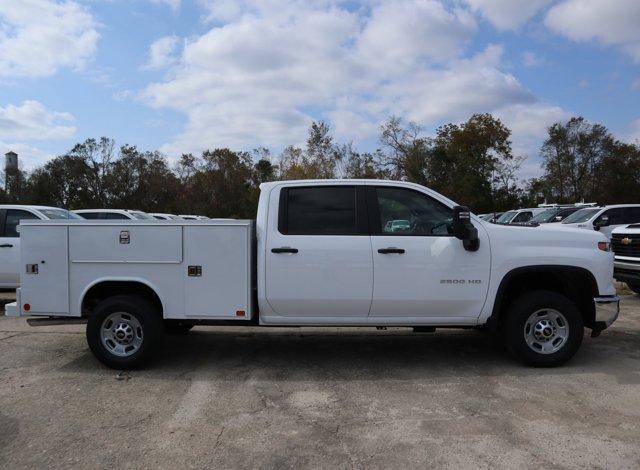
x=604 y=246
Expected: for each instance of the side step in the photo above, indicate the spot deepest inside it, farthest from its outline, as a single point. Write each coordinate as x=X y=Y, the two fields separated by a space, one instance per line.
x=50 y=321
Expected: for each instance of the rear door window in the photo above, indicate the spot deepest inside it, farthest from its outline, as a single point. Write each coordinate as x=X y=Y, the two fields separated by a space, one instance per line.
x=115 y=216
x=631 y=215
x=318 y=210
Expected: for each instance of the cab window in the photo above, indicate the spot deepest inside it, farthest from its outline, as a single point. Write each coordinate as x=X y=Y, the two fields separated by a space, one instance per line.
x=406 y=212
x=319 y=210
x=13 y=218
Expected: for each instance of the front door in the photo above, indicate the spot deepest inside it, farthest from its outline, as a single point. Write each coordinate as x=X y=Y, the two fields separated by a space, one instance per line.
x=10 y=245
x=318 y=252
x=420 y=268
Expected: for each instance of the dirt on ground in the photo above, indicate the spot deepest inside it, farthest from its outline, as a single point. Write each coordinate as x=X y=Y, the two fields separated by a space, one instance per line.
x=222 y=397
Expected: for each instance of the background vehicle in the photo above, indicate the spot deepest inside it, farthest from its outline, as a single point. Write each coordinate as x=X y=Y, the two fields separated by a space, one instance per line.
x=491 y=217
x=625 y=242
x=398 y=226
x=321 y=253
x=10 y=217
x=518 y=216
x=553 y=215
x=193 y=217
x=604 y=219
x=112 y=214
x=161 y=216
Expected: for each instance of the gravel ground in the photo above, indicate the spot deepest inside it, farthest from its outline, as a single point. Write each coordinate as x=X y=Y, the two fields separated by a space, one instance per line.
x=290 y=398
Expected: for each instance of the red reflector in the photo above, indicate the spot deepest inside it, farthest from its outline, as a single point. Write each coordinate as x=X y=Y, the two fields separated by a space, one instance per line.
x=26 y=307
x=240 y=313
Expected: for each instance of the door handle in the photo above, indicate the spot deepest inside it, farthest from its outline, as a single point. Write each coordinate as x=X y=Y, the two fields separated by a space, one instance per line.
x=6 y=245
x=391 y=250
x=284 y=249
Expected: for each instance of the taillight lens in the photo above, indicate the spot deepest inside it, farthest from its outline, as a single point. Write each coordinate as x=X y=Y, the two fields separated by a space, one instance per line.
x=604 y=246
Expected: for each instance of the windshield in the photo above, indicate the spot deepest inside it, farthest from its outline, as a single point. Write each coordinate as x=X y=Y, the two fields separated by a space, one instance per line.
x=59 y=214
x=545 y=216
x=581 y=216
x=506 y=217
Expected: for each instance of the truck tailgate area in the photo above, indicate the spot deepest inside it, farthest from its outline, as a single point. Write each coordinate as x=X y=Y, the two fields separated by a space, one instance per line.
x=198 y=269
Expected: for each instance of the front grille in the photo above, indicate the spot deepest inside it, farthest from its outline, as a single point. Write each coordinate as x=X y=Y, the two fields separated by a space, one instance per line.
x=631 y=247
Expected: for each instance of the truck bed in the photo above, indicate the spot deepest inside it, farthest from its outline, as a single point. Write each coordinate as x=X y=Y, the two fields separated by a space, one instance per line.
x=200 y=269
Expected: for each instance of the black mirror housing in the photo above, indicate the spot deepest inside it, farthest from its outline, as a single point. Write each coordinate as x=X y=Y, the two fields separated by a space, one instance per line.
x=464 y=230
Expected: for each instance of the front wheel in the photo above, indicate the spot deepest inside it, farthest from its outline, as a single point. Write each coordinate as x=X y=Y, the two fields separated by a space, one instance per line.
x=543 y=329
x=124 y=331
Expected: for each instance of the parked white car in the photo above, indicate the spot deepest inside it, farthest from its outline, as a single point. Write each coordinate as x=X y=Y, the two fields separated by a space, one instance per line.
x=193 y=217
x=113 y=214
x=10 y=217
x=603 y=219
x=321 y=253
x=163 y=216
x=519 y=216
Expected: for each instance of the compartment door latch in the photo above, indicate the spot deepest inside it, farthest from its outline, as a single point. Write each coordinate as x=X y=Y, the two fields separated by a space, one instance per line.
x=194 y=271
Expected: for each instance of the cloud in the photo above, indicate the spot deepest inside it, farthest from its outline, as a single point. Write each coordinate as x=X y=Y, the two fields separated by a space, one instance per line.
x=634 y=132
x=174 y=4
x=162 y=52
x=272 y=66
x=507 y=14
x=38 y=37
x=531 y=59
x=32 y=121
x=610 y=22
x=28 y=155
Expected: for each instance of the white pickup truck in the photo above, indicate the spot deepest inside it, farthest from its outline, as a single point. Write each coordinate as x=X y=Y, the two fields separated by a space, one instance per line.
x=321 y=253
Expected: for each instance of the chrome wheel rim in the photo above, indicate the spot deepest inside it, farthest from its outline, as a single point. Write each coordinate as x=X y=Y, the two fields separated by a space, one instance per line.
x=121 y=334
x=546 y=331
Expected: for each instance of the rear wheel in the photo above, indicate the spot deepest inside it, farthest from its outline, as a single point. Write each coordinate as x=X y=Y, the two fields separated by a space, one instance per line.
x=124 y=331
x=634 y=286
x=543 y=329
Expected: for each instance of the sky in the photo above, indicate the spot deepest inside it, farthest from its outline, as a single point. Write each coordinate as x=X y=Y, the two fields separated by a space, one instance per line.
x=184 y=75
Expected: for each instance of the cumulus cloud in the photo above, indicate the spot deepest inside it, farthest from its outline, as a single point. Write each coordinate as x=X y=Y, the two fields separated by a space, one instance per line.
x=162 y=52
x=610 y=22
x=38 y=37
x=265 y=69
x=507 y=14
x=32 y=121
x=174 y=4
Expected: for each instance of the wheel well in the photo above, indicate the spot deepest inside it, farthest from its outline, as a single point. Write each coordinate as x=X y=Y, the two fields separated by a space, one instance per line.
x=577 y=284
x=105 y=289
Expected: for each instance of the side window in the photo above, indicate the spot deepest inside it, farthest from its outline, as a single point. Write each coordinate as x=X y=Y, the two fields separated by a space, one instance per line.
x=115 y=216
x=13 y=218
x=90 y=215
x=319 y=210
x=631 y=215
x=523 y=217
x=407 y=212
x=615 y=216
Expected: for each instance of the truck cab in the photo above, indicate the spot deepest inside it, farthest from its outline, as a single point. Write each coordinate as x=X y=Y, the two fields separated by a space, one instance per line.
x=321 y=253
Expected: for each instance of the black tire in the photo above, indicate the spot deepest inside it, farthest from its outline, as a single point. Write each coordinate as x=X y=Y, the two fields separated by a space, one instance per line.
x=177 y=327
x=634 y=286
x=148 y=322
x=516 y=320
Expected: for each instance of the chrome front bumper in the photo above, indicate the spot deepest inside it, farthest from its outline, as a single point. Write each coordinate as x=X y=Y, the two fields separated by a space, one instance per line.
x=607 y=310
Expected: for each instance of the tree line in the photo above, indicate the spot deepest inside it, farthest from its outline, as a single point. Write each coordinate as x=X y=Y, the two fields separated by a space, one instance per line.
x=472 y=163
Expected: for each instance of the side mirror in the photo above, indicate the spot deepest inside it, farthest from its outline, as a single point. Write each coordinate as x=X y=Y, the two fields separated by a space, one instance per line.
x=603 y=221
x=464 y=230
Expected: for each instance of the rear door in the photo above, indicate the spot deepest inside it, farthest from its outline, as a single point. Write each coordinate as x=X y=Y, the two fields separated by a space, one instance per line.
x=10 y=245
x=318 y=252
